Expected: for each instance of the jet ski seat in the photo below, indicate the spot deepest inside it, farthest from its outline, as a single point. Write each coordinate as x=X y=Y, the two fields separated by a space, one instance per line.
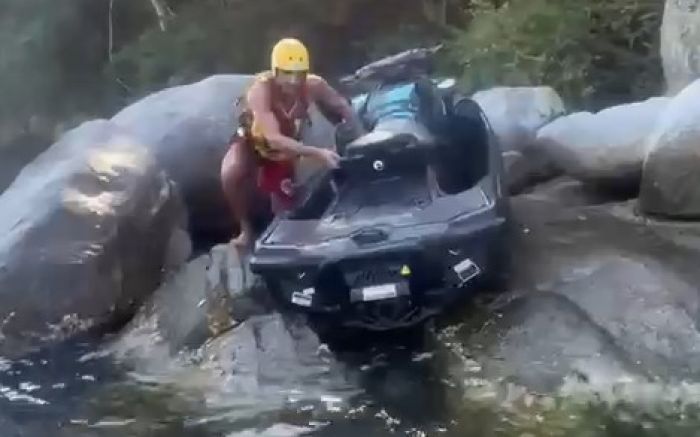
x=390 y=136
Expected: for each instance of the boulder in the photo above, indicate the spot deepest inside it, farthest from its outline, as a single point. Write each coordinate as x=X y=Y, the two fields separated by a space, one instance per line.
x=515 y=113
x=606 y=148
x=651 y=317
x=87 y=230
x=630 y=278
x=680 y=39
x=189 y=128
x=671 y=172
x=598 y=298
x=205 y=298
x=523 y=171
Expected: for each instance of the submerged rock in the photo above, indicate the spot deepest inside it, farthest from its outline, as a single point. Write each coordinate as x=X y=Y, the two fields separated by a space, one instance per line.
x=671 y=175
x=87 y=230
x=516 y=113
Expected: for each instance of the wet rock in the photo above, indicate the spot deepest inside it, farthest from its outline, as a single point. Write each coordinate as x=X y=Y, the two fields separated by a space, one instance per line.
x=515 y=113
x=671 y=172
x=189 y=128
x=275 y=351
x=204 y=299
x=602 y=149
x=648 y=310
x=266 y=364
x=536 y=341
x=680 y=35
x=599 y=295
x=87 y=230
x=629 y=276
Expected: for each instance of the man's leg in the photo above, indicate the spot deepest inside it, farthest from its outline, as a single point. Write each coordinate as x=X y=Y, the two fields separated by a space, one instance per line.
x=238 y=183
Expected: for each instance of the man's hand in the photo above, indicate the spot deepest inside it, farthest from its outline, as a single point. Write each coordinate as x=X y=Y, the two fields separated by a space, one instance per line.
x=327 y=157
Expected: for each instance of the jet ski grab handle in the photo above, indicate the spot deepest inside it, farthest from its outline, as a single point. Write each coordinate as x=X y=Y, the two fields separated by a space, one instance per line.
x=400 y=66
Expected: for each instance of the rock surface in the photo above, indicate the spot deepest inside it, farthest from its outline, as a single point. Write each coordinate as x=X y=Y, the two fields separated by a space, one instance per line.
x=189 y=128
x=525 y=170
x=680 y=38
x=599 y=296
x=515 y=113
x=208 y=296
x=606 y=148
x=87 y=229
x=671 y=178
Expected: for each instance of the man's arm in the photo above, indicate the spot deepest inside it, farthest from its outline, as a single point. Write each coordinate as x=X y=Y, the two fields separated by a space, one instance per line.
x=258 y=103
x=329 y=98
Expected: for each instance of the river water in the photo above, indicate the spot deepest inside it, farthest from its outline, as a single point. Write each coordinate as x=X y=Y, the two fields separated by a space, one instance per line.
x=286 y=383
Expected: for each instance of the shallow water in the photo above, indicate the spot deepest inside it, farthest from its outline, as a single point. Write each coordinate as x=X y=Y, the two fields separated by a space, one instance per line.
x=411 y=385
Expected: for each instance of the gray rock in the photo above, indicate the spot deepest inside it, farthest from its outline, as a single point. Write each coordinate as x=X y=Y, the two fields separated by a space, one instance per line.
x=515 y=113
x=189 y=128
x=606 y=148
x=536 y=341
x=671 y=172
x=645 y=307
x=680 y=35
x=599 y=296
x=87 y=230
x=523 y=171
x=263 y=365
x=205 y=298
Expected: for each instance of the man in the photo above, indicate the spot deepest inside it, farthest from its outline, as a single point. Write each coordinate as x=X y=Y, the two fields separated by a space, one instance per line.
x=262 y=156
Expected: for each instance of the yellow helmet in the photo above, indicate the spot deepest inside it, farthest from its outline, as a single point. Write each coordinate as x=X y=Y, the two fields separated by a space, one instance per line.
x=290 y=54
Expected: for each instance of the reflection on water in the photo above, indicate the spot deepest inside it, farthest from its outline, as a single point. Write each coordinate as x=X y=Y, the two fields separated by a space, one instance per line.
x=294 y=386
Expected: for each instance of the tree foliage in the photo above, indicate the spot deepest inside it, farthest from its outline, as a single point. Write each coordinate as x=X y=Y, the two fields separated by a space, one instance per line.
x=594 y=52
x=93 y=56
x=211 y=36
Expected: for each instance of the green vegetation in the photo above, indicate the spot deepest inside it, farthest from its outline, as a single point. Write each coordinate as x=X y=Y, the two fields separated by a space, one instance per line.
x=594 y=52
x=61 y=59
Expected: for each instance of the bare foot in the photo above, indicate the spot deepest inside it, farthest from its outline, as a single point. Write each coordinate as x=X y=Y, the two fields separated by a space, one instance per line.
x=243 y=241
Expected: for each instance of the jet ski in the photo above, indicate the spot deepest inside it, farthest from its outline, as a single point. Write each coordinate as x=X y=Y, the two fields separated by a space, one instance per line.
x=414 y=219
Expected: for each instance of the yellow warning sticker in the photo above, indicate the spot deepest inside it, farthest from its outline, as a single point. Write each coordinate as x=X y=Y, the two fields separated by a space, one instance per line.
x=405 y=271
